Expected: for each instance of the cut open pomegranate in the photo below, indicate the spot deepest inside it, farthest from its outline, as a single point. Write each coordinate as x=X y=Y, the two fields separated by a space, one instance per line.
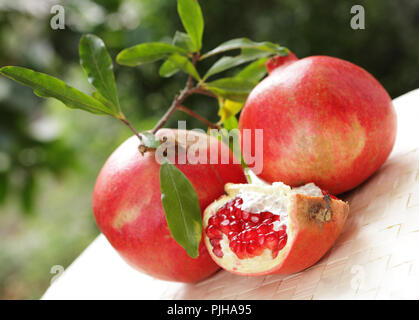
x=262 y=229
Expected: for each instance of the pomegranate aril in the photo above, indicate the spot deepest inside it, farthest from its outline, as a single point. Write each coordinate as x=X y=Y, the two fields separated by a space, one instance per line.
x=218 y=252
x=251 y=248
x=261 y=239
x=225 y=226
x=213 y=220
x=215 y=242
x=225 y=222
x=254 y=218
x=235 y=226
x=248 y=225
x=266 y=215
x=245 y=215
x=281 y=232
x=222 y=217
x=262 y=229
x=276 y=217
x=213 y=232
x=254 y=249
x=282 y=242
x=238 y=213
x=271 y=240
x=241 y=252
x=250 y=234
x=233 y=246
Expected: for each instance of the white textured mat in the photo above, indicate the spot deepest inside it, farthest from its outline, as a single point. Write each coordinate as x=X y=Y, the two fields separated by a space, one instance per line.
x=376 y=256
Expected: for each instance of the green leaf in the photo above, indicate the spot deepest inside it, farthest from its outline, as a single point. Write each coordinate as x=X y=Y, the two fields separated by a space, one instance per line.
x=150 y=140
x=181 y=207
x=96 y=62
x=147 y=52
x=183 y=40
x=102 y=99
x=254 y=71
x=235 y=89
x=226 y=62
x=191 y=15
x=184 y=64
x=47 y=86
x=242 y=43
x=168 y=69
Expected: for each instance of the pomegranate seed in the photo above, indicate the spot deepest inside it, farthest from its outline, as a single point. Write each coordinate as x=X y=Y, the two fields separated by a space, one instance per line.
x=261 y=239
x=248 y=225
x=222 y=217
x=225 y=226
x=276 y=217
x=254 y=218
x=218 y=252
x=266 y=215
x=281 y=232
x=271 y=240
x=225 y=222
x=213 y=220
x=213 y=232
x=249 y=234
x=282 y=243
x=235 y=226
x=275 y=253
x=242 y=250
x=262 y=229
x=215 y=242
x=245 y=215
x=251 y=248
x=234 y=245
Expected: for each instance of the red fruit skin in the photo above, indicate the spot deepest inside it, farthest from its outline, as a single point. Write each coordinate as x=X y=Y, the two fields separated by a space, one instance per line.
x=128 y=210
x=324 y=120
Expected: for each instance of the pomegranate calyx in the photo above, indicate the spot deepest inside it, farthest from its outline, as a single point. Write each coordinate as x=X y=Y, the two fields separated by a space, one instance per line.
x=277 y=62
x=320 y=213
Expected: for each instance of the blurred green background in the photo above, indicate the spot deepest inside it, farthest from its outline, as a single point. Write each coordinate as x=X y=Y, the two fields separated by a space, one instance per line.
x=50 y=155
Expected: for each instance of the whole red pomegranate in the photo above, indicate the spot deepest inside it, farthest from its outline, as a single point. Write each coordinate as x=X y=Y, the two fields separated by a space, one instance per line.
x=128 y=209
x=324 y=120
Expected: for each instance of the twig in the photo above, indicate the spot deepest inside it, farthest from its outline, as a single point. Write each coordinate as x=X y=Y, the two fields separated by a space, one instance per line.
x=127 y=123
x=197 y=116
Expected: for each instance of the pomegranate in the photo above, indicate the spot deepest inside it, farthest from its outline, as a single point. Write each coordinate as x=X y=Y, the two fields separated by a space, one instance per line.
x=324 y=120
x=265 y=229
x=128 y=209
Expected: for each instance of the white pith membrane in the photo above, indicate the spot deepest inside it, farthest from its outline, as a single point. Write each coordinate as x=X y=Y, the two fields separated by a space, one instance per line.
x=258 y=198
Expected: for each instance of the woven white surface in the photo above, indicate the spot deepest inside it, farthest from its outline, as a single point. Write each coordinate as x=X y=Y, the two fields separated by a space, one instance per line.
x=376 y=256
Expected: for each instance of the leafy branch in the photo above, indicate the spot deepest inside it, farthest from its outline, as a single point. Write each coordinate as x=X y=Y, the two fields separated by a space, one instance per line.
x=182 y=55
